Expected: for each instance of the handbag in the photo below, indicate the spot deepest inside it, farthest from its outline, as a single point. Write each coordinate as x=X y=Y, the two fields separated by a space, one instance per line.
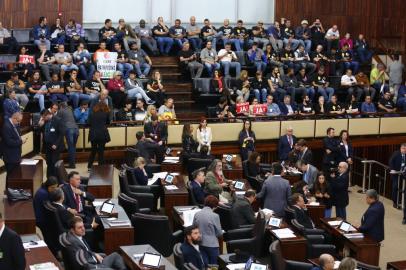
x=17 y=195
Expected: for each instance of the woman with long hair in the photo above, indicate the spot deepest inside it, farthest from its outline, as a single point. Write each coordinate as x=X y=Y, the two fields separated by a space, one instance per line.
x=23 y=62
x=188 y=142
x=156 y=89
x=37 y=89
x=151 y=110
x=348 y=263
x=243 y=85
x=346 y=150
x=99 y=135
x=254 y=168
x=203 y=134
x=246 y=140
x=322 y=192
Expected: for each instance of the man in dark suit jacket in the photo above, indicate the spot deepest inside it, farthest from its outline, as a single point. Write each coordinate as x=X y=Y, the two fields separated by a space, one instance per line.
x=156 y=131
x=242 y=211
x=148 y=149
x=305 y=154
x=331 y=150
x=397 y=162
x=196 y=186
x=189 y=252
x=53 y=138
x=309 y=174
x=76 y=238
x=75 y=197
x=286 y=143
x=300 y=211
x=275 y=191
x=11 y=142
x=12 y=255
x=372 y=222
x=339 y=188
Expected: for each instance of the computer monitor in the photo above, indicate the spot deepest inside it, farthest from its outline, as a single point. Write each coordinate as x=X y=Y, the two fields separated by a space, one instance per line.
x=107 y=207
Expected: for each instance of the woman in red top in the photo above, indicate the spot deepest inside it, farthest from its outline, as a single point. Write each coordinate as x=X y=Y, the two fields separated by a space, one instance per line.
x=116 y=90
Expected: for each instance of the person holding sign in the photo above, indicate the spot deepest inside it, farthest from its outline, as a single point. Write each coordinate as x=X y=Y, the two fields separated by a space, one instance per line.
x=246 y=140
x=242 y=108
x=25 y=62
x=116 y=90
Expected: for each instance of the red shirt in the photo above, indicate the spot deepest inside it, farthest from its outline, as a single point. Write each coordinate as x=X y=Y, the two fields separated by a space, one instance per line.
x=114 y=85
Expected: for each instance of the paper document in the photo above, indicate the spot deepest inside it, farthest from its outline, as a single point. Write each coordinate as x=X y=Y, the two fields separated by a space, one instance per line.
x=34 y=244
x=354 y=235
x=185 y=208
x=314 y=203
x=171 y=187
x=335 y=222
x=171 y=161
x=188 y=217
x=236 y=266
x=119 y=223
x=284 y=233
x=267 y=211
x=98 y=203
x=29 y=162
x=156 y=176
x=44 y=266
x=171 y=158
x=336 y=264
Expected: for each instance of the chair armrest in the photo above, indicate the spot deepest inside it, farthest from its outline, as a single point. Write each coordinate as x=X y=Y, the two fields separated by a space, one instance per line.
x=245 y=245
x=294 y=265
x=145 y=200
x=242 y=233
x=313 y=231
x=177 y=236
x=316 y=250
x=139 y=189
x=247 y=226
x=315 y=239
x=144 y=210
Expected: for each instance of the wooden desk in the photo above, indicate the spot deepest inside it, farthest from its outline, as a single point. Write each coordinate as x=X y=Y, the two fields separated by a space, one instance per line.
x=316 y=212
x=362 y=249
x=127 y=252
x=292 y=248
x=233 y=169
x=399 y=265
x=28 y=177
x=176 y=197
x=19 y=216
x=38 y=255
x=292 y=178
x=114 y=237
x=101 y=181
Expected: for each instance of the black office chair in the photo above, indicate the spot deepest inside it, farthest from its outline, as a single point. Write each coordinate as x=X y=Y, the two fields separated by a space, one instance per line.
x=279 y=263
x=197 y=163
x=255 y=184
x=155 y=230
x=68 y=254
x=54 y=228
x=62 y=174
x=192 y=198
x=305 y=231
x=226 y=217
x=178 y=256
x=130 y=155
x=130 y=205
x=145 y=200
x=289 y=214
x=80 y=258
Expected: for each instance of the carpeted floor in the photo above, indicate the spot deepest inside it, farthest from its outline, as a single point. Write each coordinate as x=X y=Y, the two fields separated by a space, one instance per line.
x=392 y=249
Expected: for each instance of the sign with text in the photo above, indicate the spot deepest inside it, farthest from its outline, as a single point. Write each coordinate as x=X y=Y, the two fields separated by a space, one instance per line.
x=106 y=63
x=259 y=109
x=26 y=59
x=242 y=108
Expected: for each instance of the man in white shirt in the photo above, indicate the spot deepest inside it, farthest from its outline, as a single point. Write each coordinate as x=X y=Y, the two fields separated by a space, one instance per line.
x=228 y=59
x=350 y=82
x=332 y=37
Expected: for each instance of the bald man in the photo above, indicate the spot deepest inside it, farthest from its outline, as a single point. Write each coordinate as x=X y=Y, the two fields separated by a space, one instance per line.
x=339 y=185
x=286 y=144
x=326 y=262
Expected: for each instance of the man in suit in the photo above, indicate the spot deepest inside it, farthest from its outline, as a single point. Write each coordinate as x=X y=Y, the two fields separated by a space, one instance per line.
x=53 y=138
x=190 y=248
x=305 y=154
x=286 y=143
x=301 y=215
x=242 y=211
x=12 y=142
x=397 y=163
x=309 y=174
x=275 y=191
x=148 y=149
x=75 y=197
x=331 y=150
x=12 y=255
x=339 y=188
x=196 y=185
x=326 y=262
x=76 y=238
x=372 y=222
x=156 y=131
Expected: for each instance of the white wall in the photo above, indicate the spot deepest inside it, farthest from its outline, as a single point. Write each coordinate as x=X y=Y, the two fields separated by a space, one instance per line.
x=250 y=11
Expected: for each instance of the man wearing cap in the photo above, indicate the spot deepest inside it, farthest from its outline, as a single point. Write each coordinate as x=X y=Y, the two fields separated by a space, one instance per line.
x=303 y=34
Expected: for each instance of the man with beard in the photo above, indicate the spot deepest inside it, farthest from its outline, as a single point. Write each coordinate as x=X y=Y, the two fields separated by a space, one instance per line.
x=190 y=248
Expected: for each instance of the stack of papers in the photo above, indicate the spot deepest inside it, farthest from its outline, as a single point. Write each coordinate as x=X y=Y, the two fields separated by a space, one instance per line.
x=354 y=235
x=171 y=160
x=334 y=222
x=236 y=266
x=29 y=162
x=119 y=223
x=314 y=203
x=284 y=233
x=44 y=266
x=171 y=187
x=336 y=264
x=156 y=176
x=188 y=217
x=34 y=244
x=267 y=212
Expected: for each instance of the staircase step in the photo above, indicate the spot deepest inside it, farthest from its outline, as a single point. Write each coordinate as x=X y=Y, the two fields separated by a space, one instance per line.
x=179 y=95
x=160 y=60
x=183 y=114
x=178 y=86
x=185 y=104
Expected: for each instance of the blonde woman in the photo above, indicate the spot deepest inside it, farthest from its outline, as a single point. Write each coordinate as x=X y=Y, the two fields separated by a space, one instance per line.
x=151 y=110
x=243 y=85
x=141 y=175
x=203 y=135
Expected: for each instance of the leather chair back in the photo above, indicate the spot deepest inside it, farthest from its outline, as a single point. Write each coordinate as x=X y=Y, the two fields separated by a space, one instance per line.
x=153 y=230
x=255 y=184
x=131 y=179
x=259 y=235
x=54 y=227
x=289 y=214
x=296 y=225
x=122 y=178
x=130 y=205
x=152 y=168
x=68 y=254
x=61 y=172
x=226 y=219
x=277 y=261
x=130 y=155
x=192 y=198
x=197 y=163
x=189 y=266
x=178 y=256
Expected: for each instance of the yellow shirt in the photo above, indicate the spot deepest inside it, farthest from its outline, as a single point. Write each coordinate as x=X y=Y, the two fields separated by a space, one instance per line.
x=376 y=77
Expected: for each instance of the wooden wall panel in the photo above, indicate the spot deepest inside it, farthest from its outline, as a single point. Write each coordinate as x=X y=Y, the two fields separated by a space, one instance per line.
x=25 y=13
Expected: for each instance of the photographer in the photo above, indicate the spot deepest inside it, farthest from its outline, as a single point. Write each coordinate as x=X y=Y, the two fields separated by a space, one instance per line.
x=339 y=180
x=228 y=59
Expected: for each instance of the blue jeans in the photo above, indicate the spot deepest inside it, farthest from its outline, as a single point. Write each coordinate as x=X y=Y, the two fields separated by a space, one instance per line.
x=237 y=43
x=226 y=66
x=213 y=40
x=179 y=42
x=125 y=68
x=402 y=103
x=138 y=67
x=279 y=94
x=341 y=212
x=71 y=135
x=45 y=41
x=117 y=38
x=261 y=66
x=323 y=91
x=55 y=97
x=353 y=65
x=307 y=43
x=41 y=101
x=364 y=55
x=378 y=85
x=310 y=92
x=294 y=43
x=210 y=254
x=211 y=67
x=261 y=94
x=196 y=43
x=86 y=71
x=136 y=93
x=164 y=44
x=327 y=212
x=77 y=97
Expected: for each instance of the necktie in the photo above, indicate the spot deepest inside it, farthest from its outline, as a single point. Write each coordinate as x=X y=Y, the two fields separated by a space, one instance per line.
x=305 y=177
x=290 y=141
x=77 y=199
x=403 y=161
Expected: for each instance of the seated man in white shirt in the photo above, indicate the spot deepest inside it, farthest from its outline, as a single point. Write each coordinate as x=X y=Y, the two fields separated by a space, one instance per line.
x=350 y=82
x=228 y=59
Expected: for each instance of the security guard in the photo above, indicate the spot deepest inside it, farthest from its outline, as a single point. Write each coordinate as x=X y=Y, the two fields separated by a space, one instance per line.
x=53 y=138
